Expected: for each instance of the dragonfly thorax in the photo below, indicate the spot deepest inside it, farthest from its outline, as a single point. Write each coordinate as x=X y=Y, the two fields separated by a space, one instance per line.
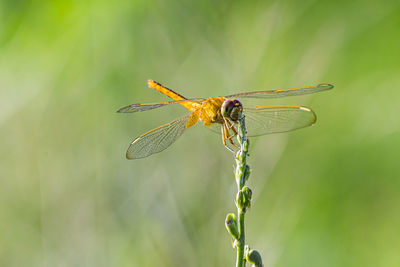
x=211 y=111
x=231 y=108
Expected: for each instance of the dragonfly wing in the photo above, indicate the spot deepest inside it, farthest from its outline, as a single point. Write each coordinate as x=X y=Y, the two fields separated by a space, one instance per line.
x=147 y=106
x=284 y=92
x=215 y=128
x=277 y=119
x=157 y=139
x=142 y=107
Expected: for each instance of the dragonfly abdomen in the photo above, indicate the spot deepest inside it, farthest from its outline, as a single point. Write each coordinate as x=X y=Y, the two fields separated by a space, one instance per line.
x=191 y=106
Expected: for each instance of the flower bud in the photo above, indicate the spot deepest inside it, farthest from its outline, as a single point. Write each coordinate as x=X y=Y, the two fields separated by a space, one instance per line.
x=231 y=225
x=240 y=200
x=246 y=144
x=246 y=173
x=247 y=194
x=252 y=256
x=243 y=198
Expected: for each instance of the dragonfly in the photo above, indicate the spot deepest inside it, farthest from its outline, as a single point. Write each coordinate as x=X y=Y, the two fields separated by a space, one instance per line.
x=222 y=112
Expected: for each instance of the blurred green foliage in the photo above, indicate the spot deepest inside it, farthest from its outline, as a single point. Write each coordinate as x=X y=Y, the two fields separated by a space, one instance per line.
x=326 y=195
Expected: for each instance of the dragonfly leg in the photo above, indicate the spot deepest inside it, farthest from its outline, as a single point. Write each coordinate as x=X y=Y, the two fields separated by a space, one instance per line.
x=228 y=127
x=225 y=133
x=233 y=143
x=233 y=129
x=234 y=134
x=231 y=124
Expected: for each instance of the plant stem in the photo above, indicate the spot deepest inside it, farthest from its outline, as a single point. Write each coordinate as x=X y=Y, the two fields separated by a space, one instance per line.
x=240 y=246
x=235 y=224
x=241 y=172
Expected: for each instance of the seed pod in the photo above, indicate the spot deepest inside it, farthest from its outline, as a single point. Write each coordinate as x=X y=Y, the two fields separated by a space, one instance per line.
x=254 y=257
x=247 y=194
x=231 y=225
x=240 y=201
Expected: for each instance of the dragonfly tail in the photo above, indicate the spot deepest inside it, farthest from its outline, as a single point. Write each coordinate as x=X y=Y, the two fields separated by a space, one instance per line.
x=174 y=95
x=164 y=90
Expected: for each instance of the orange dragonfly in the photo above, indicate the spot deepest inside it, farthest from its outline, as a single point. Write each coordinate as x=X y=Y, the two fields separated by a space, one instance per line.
x=222 y=111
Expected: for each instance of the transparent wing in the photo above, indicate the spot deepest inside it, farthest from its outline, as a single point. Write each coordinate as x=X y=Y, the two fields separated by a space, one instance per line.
x=157 y=139
x=215 y=128
x=273 y=119
x=284 y=92
x=147 y=106
x=277 y=119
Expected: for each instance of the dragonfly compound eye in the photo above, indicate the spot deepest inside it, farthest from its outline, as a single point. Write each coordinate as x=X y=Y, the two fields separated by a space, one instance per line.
x=231 y=109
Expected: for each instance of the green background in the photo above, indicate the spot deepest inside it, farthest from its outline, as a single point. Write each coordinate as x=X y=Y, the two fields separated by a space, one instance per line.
x=326 y=195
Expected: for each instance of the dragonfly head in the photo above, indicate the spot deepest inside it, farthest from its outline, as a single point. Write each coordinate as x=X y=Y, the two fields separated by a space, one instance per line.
x=231 y=108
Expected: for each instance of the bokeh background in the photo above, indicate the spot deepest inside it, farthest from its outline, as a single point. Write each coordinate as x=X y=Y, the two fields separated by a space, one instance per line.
x=327 y=195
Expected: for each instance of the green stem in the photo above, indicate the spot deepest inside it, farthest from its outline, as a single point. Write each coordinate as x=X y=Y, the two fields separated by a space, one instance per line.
x=240 y=245
x=241 y=173
x=235 y=224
